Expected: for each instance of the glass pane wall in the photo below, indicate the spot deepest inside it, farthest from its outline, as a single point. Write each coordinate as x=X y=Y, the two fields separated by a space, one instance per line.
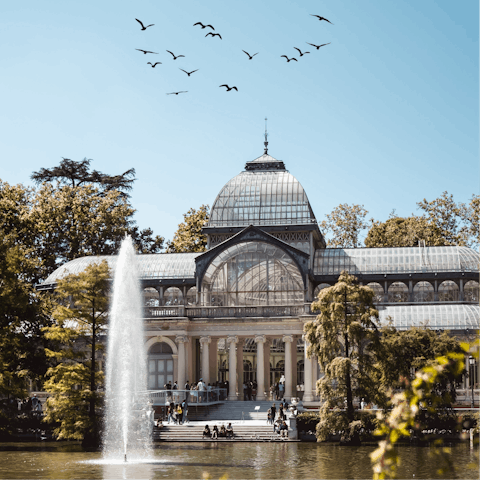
x=252 y=273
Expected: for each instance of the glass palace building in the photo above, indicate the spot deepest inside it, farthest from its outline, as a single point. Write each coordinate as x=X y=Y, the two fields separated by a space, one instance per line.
x=236 y=311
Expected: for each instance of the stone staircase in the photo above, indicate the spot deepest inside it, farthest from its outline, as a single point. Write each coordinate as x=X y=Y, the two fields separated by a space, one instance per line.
x=193 y=433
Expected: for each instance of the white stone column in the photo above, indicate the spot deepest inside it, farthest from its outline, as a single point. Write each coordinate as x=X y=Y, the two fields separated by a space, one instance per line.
x=182 y=361
x=205 y=362
x=308 y=372
x=232 y=367
x=260 y=340
x=288 y=339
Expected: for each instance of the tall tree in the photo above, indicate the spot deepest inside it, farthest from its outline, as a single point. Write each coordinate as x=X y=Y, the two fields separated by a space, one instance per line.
x=404 y=232
x=344 y=226
x=144 y=240
x=471 y=217
x=342 y=337
x=403 y=352
x=72 y=222
x=447 y=215
x=189 y=237
x=23 y=313
x=80 y=320
x=77 y=173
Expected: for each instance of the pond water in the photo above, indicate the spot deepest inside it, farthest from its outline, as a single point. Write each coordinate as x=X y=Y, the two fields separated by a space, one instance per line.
x=236 y=460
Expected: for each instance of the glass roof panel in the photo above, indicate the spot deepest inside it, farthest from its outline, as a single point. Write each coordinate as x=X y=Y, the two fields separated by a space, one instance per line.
x=245 y=200
x=446 y=317
x=331 y=261
x=151 y=266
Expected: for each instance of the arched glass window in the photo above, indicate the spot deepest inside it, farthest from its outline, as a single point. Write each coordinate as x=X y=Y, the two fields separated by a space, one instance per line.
x=397 y=292
x=160 y=366
x=448 y=291
x=247 y=371
x=172 y=296
x=378 y=291
x=470 y=291
x=252 y=273
x=150 y=297
x=423 y=292
x=191 y=296
x=318 y=288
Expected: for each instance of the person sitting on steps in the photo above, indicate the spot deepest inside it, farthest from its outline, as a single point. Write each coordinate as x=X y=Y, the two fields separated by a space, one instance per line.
x=215 y=432
x=229 y=431
x=223 y=432
x=206 y=432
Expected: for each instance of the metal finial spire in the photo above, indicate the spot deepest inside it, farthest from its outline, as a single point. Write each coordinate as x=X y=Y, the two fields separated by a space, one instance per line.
x=265 y=152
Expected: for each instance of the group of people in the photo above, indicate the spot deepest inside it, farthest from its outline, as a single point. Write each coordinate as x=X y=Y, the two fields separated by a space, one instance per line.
x=177 y=413
x=278 y=418
x=250 y=391
x=273 y=415
x=226 y=432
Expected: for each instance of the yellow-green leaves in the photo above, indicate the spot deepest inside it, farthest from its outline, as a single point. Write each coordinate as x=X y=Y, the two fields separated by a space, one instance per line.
x=189 y=237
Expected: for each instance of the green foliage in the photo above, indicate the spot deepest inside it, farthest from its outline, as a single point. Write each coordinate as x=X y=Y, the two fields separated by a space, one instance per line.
x=77 y=173
x=189 y=237
x=401 y=352
x=72 y=222
x=471 y=217
x=80 y=320
x=452 y=218
x=404 y=232
x=345 y=224
x=402 y=420
x=23 y=313
x=342 y=337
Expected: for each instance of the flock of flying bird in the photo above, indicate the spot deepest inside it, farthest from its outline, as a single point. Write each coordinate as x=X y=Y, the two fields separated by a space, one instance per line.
x=250 y=57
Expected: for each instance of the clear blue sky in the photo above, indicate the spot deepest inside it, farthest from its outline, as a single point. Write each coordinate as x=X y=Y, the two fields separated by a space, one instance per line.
x=386 y=115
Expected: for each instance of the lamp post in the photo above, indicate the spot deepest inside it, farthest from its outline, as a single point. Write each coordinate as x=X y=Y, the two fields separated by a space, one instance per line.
x=471 y=362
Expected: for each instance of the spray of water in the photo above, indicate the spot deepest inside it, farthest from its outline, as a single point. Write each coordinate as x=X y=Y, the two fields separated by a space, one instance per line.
x=128 y=415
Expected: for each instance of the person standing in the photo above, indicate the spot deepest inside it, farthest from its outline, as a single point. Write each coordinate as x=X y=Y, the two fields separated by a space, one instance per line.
x=274 y=412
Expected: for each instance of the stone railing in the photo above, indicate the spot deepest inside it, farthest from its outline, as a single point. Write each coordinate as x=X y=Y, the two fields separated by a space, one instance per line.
x=225 y=312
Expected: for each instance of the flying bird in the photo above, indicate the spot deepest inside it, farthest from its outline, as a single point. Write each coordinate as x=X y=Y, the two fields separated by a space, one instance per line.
x=145 y=51
x=321 y=18
x=289 y=59
x=318 y=46
x=203 y=26
x=189 y=73
x=250 y=56
x=214 y=35
x=173 y=55
x=300 y=52
x=229 y=88
x=154 y=64
x=176 y=93
x=143 y=27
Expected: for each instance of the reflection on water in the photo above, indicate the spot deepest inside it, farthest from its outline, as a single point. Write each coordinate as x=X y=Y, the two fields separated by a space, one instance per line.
x=237 y=460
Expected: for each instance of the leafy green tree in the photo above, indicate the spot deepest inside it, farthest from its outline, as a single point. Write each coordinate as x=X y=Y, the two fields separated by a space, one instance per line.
x=345 y=225
x=471 y=217
x=77 y=173
x=144 y=240
x=23 y=313
x=342 y=337
x=80 y=320
x=404 y=232
x=189 y=237
x=448 y=216
x=72 y=222
x=403 y=352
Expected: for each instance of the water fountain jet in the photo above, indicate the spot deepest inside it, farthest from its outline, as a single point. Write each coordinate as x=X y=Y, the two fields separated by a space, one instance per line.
x=128 y=414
